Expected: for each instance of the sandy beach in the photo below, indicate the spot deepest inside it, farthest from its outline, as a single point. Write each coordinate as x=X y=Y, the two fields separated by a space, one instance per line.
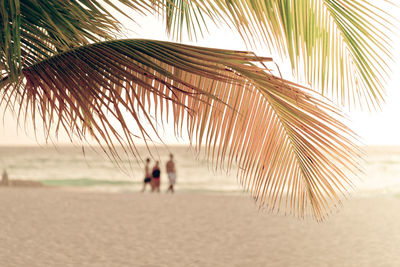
x=54 y=227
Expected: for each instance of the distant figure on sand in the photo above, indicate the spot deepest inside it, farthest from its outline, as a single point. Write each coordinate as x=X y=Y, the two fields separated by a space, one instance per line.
x=4 y=178
x=156 y=173
x=147 y=175
x=171 y=171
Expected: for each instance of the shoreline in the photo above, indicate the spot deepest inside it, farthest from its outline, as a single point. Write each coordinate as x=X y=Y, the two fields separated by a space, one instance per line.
x=126 y=186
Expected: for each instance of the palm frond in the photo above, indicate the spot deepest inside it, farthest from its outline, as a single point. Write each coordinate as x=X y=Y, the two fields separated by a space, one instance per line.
x=341 y=48
x=10 y=57
x=185 y=17
x=293 y=150
x=37 y=29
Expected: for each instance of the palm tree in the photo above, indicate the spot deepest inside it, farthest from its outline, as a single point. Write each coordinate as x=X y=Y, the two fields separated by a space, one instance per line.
x=63 y=61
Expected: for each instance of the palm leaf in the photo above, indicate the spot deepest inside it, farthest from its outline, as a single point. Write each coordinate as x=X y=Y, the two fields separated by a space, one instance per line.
x=341 y=48
x=37 y=29
x=290 y=144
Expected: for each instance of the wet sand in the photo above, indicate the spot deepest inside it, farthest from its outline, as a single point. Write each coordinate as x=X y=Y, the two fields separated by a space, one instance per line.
x=54 y=227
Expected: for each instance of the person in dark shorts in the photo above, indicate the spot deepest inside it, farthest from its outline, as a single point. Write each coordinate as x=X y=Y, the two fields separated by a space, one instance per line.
x=147 y=175
x=156 y=173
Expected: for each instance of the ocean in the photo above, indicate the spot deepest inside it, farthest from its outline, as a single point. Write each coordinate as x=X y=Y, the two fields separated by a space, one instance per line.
x=92 y=169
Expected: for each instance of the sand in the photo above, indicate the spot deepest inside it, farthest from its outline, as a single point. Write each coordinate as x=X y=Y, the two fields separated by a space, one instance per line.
x=20 y=183
x=53 y=227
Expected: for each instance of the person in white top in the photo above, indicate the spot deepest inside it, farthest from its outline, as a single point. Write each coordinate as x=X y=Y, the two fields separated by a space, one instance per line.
x=171 y=171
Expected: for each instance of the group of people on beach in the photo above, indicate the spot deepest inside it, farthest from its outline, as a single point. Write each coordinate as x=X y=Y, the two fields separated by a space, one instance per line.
x=152 y=177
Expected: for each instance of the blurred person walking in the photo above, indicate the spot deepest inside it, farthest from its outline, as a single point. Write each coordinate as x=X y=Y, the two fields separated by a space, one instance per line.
x=4 y=178
x=147 y=175
x=171 y=171
x=155 y=181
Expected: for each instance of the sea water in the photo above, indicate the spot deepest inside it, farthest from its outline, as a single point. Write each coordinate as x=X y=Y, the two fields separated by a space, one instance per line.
x=89 y=167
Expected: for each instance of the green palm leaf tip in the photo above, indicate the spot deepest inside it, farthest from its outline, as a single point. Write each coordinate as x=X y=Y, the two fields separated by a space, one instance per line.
x=10 y=38
x=293 y=151
x=34 y=30
x=343 y=49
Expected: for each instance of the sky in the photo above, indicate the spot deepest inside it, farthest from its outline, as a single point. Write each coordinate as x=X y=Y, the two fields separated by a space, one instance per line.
x=374 y=127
